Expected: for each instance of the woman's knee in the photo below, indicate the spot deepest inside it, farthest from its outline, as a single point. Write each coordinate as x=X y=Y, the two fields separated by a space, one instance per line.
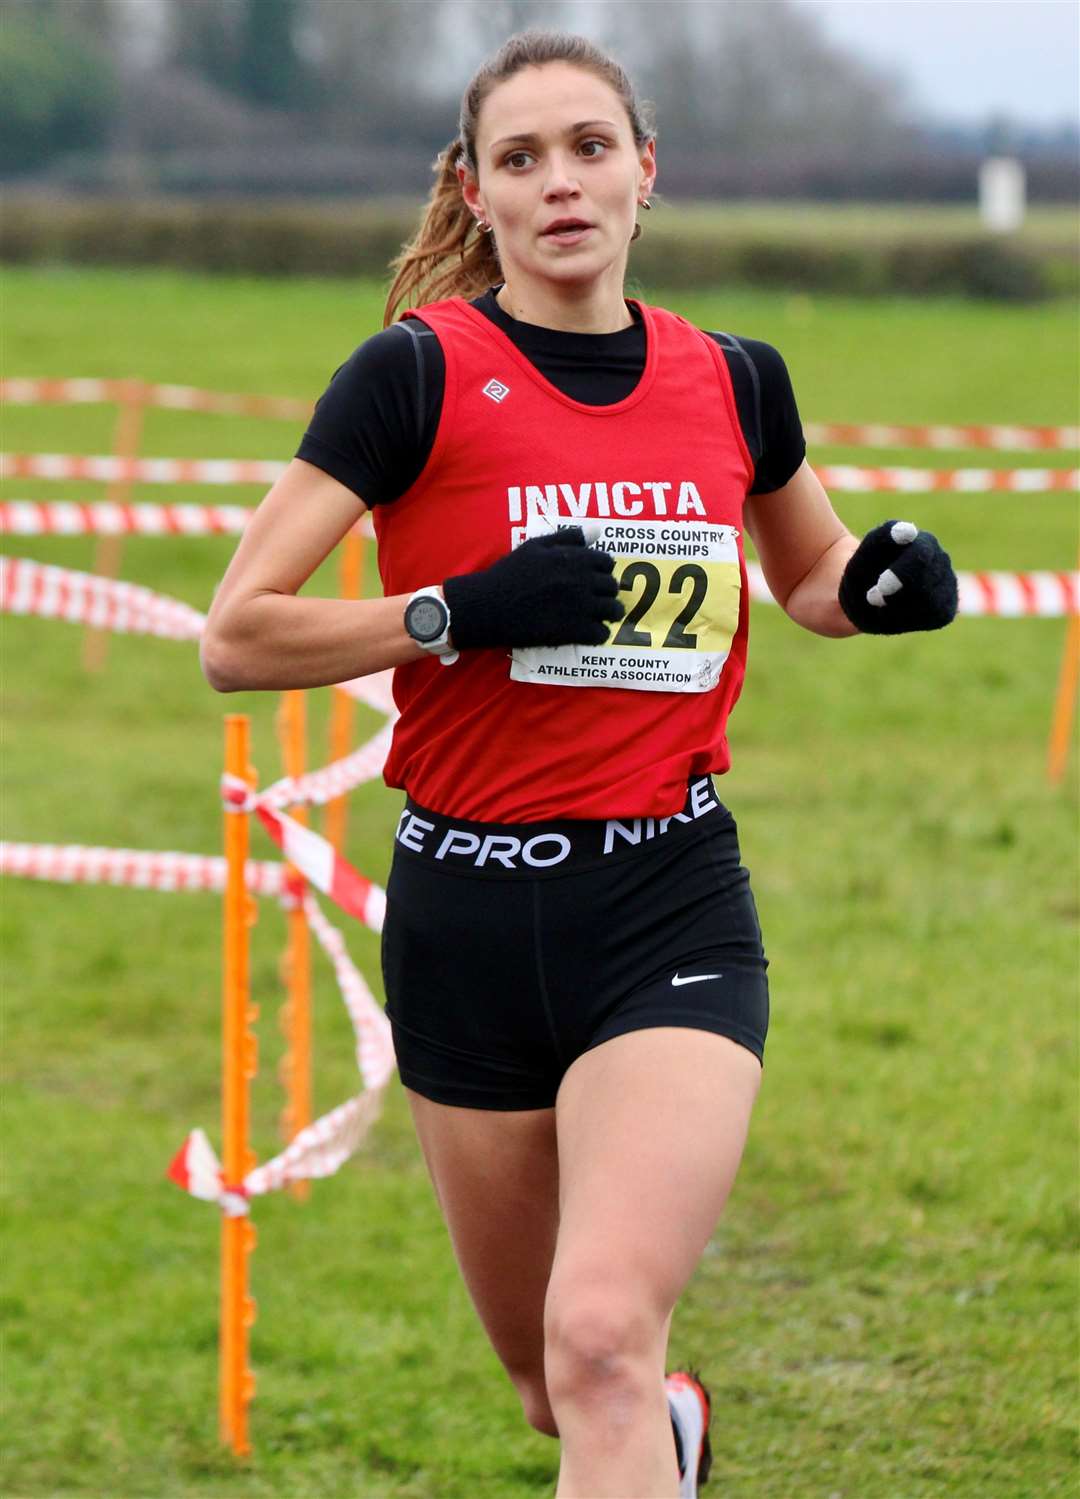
x=600 y=1337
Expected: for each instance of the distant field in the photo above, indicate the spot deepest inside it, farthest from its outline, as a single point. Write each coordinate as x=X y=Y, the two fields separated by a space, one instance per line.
x=910 y=250
x=1045 y=226
x=888 y=1309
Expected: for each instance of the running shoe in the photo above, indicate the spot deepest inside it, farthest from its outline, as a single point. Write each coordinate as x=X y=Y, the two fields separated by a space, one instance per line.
x=690 y=1405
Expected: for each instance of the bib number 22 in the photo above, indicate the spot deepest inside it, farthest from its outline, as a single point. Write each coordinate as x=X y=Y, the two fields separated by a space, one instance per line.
x=681 y=583
x=690 y=581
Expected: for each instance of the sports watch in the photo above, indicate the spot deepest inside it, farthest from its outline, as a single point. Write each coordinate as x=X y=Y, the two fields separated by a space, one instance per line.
x=427 y=619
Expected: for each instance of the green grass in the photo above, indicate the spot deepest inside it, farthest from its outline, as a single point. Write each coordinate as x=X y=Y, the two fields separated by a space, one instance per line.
x=887 y=1310
x=1044 y=226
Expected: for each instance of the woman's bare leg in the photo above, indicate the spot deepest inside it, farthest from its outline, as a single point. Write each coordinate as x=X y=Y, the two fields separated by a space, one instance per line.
x=496 y=1176
x=651 y=1128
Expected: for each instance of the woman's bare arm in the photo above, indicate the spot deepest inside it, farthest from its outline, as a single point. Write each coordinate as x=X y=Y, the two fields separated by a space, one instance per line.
x=259 y=634
x=803 y=546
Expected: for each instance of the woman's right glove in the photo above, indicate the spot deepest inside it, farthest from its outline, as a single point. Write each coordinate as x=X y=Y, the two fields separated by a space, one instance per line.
x=551 y=590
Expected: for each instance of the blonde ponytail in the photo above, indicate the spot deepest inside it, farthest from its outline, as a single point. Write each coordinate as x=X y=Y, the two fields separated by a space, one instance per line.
x=448 y=256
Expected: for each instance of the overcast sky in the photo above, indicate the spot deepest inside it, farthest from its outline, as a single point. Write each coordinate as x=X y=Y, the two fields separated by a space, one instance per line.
x=967 y=59
x=964 y=60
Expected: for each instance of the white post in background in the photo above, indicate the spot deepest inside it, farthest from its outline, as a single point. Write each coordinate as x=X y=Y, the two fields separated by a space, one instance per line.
x=1002 y=194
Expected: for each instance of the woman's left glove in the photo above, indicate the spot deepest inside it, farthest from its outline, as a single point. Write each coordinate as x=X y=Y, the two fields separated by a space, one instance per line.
x=899 y=579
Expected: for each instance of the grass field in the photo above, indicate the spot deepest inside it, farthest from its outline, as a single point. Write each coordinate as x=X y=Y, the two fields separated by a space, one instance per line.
x=1044 y=225
x=887 y=1310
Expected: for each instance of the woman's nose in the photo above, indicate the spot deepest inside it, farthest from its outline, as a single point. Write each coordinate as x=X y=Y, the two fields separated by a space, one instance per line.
x=561 y=180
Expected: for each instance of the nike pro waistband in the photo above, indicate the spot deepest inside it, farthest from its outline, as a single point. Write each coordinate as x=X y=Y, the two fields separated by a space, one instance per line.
x=537 y=848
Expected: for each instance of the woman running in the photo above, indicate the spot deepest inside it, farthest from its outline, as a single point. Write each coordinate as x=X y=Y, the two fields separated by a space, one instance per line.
x=561 y=480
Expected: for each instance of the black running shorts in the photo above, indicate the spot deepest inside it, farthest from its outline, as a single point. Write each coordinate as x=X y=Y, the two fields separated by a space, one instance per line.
x=509 y=950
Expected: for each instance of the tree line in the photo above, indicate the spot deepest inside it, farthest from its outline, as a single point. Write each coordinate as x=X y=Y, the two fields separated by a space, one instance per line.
x=356 y=96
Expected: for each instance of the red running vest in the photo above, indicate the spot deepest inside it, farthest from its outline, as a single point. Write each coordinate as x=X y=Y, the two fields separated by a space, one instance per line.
x=470 y=741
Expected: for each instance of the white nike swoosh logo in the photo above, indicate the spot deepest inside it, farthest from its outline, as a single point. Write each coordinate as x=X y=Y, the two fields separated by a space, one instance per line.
x=694 y=978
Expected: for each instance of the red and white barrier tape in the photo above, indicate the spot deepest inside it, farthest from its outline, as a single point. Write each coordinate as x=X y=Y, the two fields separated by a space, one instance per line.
x=196 y=1169
x=28 y=587
x=843 y=477
x=875 y=433
x=109 y=469
x=102 y=518
x=851 y=480
x=377 y=691
x=144 y=869
x=139 y=869
x=64 y=518
x=323 y=1147
x=320 y=1148
x=18 y=392
x=313 y=855
x=374 y=1041
x=1003 y=438
x=1044 y=595
x=319 y=862
x=318 y=787
x=35 y=588
x=317 y=1152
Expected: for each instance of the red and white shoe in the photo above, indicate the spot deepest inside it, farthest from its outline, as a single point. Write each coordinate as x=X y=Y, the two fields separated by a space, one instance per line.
x=690 y=1406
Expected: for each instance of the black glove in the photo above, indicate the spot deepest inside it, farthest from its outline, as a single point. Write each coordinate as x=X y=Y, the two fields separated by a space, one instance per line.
x=899 y=579
x=551 y=590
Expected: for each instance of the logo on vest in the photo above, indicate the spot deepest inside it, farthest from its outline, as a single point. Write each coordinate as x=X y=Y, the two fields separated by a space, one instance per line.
x=496 y=391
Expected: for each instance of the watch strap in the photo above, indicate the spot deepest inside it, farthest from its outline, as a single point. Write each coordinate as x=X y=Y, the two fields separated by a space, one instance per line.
x=440 y=646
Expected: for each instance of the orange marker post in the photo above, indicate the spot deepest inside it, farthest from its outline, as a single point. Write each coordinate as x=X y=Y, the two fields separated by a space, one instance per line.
x=343 y=708
x=126 y=440
x=295 y=1015
x=1065 y=704
x=236 y=1381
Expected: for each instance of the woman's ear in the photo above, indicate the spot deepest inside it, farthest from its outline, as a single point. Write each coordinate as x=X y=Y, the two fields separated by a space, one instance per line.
x=648 y=169
x=470 y=191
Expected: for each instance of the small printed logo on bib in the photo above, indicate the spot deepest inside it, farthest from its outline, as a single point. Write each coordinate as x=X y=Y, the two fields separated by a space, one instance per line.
x=496 y=391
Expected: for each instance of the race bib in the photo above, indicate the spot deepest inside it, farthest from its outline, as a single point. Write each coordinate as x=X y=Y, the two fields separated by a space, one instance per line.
x=680 y=583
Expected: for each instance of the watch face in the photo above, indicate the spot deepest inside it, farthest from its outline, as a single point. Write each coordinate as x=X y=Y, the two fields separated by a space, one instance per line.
x=425 y=619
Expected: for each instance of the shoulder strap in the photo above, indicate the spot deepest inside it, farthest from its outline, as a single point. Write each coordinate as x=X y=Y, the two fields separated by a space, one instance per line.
x=729 y=341
x=416 y=331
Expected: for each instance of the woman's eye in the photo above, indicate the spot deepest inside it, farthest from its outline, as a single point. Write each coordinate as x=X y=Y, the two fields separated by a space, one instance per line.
x=518 y=158
x=600 y=145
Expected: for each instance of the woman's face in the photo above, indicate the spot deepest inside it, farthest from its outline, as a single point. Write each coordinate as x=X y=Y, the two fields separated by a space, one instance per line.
x=554 y=144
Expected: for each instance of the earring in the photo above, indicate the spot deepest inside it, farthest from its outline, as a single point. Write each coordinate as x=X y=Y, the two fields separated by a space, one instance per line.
x=644 y=203
x=483 y=227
